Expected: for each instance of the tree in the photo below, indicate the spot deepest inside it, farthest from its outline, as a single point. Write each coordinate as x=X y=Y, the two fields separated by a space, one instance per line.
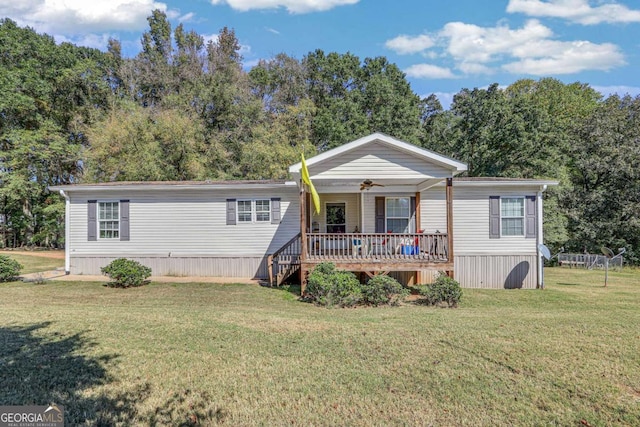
x=354 y=99
x=48 y=92
x=604 y=204
x=134 y=143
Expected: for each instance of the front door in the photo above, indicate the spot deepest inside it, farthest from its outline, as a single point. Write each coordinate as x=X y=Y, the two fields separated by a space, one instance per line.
x=336 y=217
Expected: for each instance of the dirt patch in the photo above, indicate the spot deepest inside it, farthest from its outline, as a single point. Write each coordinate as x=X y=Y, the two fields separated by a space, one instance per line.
x=54 y=254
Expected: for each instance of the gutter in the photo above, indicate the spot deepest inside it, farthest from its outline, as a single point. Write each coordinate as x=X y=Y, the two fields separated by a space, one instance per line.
x=540 y=237
x=67 y=233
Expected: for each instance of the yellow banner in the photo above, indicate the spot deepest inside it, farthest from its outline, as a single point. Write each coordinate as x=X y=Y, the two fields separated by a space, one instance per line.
x=312 y=189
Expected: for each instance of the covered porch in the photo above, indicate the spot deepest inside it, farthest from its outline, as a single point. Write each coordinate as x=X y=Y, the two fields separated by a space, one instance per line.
x=369 y=215
x=376 y=231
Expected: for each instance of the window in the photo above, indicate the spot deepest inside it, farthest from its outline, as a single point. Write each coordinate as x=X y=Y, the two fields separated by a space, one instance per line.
x=254 y=210
x=244 y=211
x=398 y=214
x=263 y=211
x=109 y=220
x=512 y=216
x=336 y=217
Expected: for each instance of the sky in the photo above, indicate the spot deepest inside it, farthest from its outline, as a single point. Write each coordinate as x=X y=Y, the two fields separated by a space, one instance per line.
x=442 y=46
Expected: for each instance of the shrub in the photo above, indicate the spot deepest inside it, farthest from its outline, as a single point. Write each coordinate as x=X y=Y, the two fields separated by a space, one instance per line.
x=443 y=290
x=125 y=273
x=9 y=268
x=382 y=289
x=330 y=287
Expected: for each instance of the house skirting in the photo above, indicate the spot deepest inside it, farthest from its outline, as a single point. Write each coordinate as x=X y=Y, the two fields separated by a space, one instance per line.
x=492 y=271
x=472 y=271
x=188 y=265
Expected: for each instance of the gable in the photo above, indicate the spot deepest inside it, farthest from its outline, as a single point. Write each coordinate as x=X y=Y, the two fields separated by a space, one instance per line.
x=377 y=160
x=378 y=156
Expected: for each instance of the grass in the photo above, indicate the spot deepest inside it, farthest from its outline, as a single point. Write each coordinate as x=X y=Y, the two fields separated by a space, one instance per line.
x=32 y=263
x=183 y=354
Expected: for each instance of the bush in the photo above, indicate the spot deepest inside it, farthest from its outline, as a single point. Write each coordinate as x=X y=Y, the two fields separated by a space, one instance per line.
x=125 y=273
x=443 y=290
x=382 y=289
x=9 y=268
x=330 y=287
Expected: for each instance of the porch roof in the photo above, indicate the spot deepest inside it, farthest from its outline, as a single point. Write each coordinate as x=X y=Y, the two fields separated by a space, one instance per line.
x=381 y=158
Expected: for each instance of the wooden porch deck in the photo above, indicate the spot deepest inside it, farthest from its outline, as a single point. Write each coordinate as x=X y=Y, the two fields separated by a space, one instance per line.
x=368 y=252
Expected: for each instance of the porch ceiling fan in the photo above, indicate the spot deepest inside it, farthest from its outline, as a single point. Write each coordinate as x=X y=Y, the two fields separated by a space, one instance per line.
x=367 y=184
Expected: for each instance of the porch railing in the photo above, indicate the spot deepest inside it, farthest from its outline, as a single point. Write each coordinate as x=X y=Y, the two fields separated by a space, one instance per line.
x=363 y=246
x=285 y=261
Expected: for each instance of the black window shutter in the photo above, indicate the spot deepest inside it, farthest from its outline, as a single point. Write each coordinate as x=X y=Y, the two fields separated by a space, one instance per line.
x=530 y=217
x=494 y=217
x=92 y=222
x=231 y=211
x=124 y=220
x=275 y=210
x=380 y=217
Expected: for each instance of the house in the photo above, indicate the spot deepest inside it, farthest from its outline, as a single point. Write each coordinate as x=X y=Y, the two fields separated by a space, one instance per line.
x=386 y=206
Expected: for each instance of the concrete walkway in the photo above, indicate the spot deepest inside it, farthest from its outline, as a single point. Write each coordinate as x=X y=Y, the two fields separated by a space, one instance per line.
x=60 y=276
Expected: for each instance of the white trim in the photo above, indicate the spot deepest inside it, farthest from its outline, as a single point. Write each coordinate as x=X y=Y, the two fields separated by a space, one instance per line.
x=98 y=202
x=253 y=211
x=67 y=232
x=540 y=236
x=387 y=217
x=523 y=217
x=335 y=202
x=387 y=140
x=493 y=183
x=140 y=186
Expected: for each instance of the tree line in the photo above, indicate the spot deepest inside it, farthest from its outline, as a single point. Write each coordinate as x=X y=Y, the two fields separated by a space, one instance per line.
x=186 y=109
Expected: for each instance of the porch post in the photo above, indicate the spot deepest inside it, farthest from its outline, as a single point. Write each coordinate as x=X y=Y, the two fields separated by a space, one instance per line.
x=418 y=216
x=303 y=239
x=417 y=277
x=449 y=195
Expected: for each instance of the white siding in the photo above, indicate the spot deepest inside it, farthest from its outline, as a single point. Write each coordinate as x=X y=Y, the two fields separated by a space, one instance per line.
x=377 y=161
x=370 y=208
x=471 y=223
x=471 y=220
x=433 y=210
x=186 y=223
x=352 y=202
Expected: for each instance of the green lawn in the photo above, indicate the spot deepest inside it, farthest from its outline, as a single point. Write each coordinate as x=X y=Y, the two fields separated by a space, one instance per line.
x=33 y=263
x=180 y=354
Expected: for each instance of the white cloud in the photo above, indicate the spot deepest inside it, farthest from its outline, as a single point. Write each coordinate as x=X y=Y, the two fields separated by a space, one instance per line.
x=429 y=71
x=471 y=43
x=618 y=90
x=554 y=57
x=292 y=6
x=527 y=50
x=272 y=30
x=187 y=17
x=97 y=41
x=404 y=45
x=531 y=49
x=210 y=38
x=82 y=16
x=579 y=11
x=474 y=68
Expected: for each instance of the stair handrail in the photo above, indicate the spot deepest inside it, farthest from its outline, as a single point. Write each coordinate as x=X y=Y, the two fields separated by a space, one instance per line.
x=277 y=253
